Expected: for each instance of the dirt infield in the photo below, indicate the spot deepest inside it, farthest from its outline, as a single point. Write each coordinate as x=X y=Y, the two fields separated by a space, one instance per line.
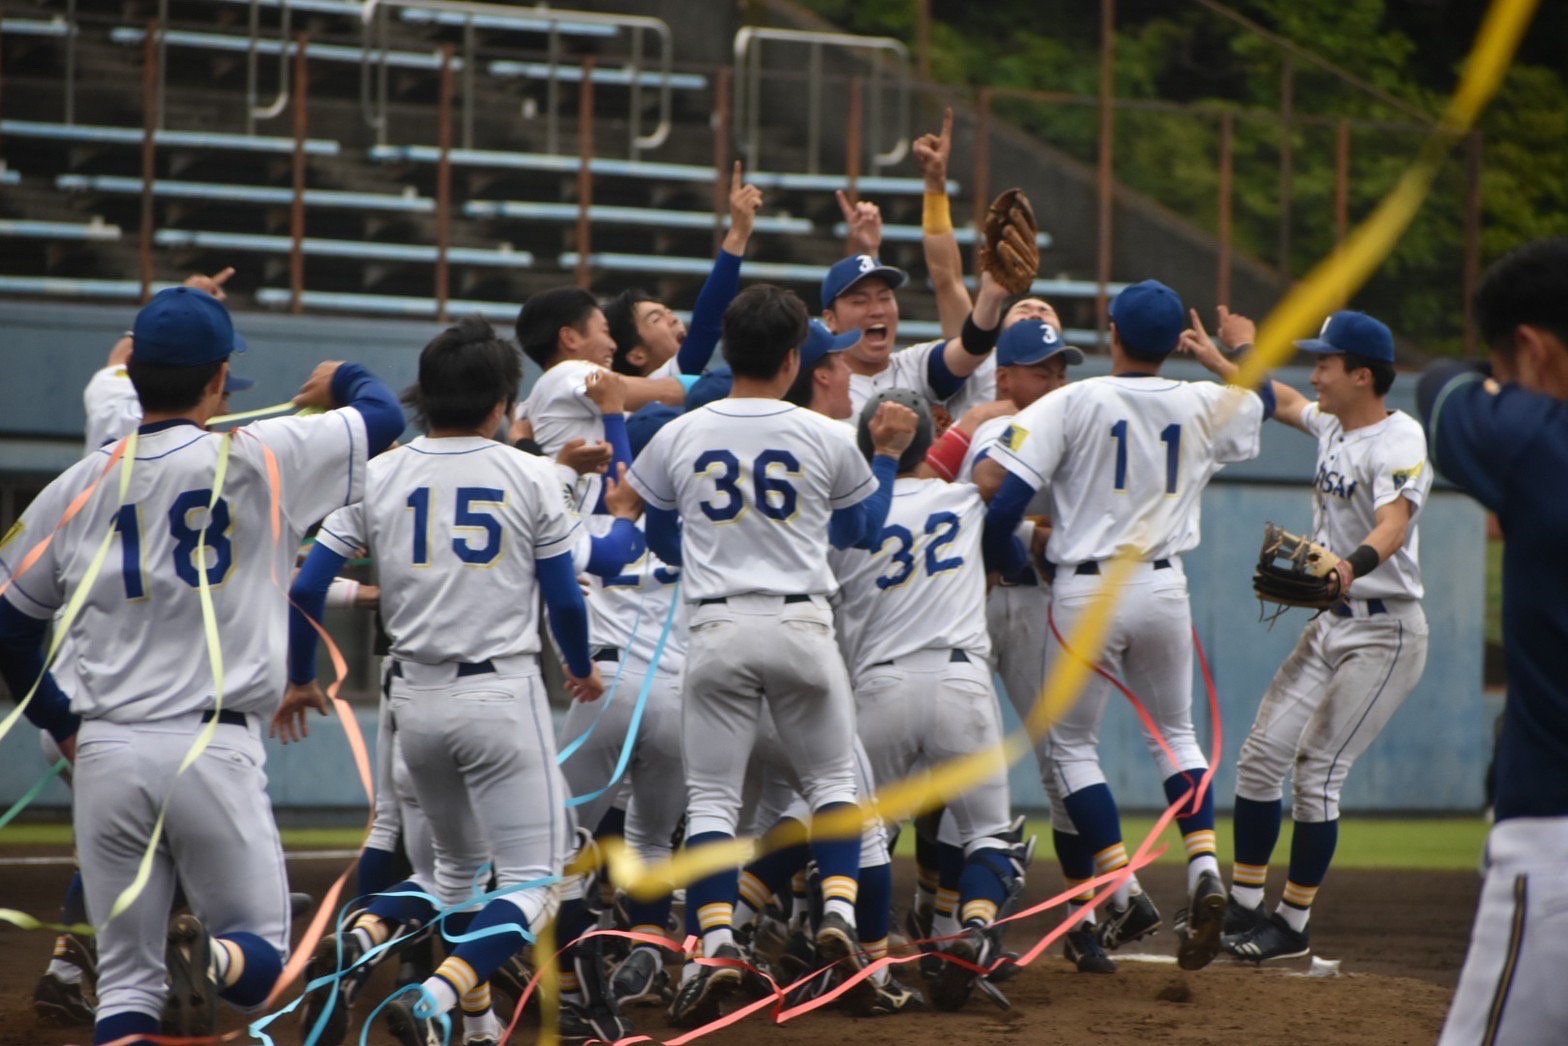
x=1400 y=938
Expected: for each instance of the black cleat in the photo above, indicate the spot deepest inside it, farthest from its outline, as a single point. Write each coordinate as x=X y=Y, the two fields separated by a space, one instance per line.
x=191 y=1008
x=1083 y=950
x=698 y=999
x=1273 y=939
x=956 y=982
x=1124 y=925
x=1199 y=929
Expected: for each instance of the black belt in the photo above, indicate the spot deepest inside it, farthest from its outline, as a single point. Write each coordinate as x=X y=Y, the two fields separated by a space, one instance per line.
x=1092 y=567
x=1374 y=606
x=226 y=717
x=464 y=668
x=607 y=653
x=956 y=657
x=1024 y=578
x=797 y=597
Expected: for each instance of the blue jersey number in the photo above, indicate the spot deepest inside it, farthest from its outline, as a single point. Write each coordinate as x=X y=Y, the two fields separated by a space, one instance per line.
x=209 y=543
x=663 y=574
x=465 y=516
x=942 y=529
x=771 y=474
x=1170 y=435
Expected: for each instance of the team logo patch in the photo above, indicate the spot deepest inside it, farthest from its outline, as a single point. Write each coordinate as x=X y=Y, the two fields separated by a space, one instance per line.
x=1013 y=438
x=1403 y=476
x=15 y=531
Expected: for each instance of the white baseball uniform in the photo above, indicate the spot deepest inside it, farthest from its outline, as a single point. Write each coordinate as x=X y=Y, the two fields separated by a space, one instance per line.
x=1355 y=665
x=907 y=368
x=450 y=522
x=112 y=407
x=145 y=685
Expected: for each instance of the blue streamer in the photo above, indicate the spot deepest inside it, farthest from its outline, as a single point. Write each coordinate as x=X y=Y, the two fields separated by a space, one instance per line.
x=604 y=702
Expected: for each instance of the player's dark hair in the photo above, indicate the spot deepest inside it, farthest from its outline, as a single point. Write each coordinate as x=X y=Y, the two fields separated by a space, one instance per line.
x=167 y=390
x=761 y=326
x=463 y=373
x=621 y=313
x=1525 y=286
x=1382 y=372
x=800 y=393
x=541 y=318
x=1148 y=359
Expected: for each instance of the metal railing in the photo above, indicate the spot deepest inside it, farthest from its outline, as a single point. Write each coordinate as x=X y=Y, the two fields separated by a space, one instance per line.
x=879 y=50
x=373 y=66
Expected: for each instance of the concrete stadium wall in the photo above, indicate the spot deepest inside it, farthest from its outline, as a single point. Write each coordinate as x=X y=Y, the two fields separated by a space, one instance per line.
x=1431 y=758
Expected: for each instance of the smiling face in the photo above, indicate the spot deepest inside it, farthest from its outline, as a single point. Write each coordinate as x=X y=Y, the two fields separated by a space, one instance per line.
x=869 y=306
x=832 y=387
x=592 y=342
x=1338 y=389
x=1031 y=309
x=1025 y=383
x=660 y=333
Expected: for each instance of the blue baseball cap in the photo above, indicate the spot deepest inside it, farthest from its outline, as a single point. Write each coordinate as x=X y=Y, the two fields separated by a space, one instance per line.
x=1149 y=317
x=850 y=271
x=1353 y=332
x=1033 y=341
x=643 y=425
x=821 y=341
x=235 y=383
x=714 y=385
x=183 y=327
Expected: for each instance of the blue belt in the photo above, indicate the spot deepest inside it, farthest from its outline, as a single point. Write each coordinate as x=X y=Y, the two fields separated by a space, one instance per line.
x=464 y=668
x=1374 y=606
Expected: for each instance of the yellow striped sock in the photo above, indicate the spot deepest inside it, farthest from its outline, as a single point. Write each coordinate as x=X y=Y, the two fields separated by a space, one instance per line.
x=715 y=916
x=875 y=949
x=754 y=892
x=978 y=910
x=946 y=901
x=1249 y=874
x=477 y=1001
x=840 y=888
x=928 y=878
x=1199 y=842
x=1298 y=896
x=374 y=926
x=1084 y=896
x=1110 y=859
x=458 y=974
x=648 y=928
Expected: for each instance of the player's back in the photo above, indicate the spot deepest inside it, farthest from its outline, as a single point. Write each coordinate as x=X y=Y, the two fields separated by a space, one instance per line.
x=628 y=611
x=923 y=585
x=1126 y=459
x=139 y=652
x=456 y=525
x=755 y=481
x=559 y=409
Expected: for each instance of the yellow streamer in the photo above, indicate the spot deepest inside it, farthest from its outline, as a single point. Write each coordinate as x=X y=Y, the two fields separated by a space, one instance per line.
x=259 y=412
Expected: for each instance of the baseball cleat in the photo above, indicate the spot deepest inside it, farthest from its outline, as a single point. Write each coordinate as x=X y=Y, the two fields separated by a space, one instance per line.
x=595 y=1022
x=336 y=998
x=1198 y=932
x=1240 y=919
x=405 y=1025
x=839 y=945
x=1084 y=950
x=62 y=1002
x=893 y=997
x=641 y=979
x=1273 y=939
x=956 y=982
x=1124 y=925
x=511 y=980
x=698 y=998
x=192 y=1005
x=300 y=904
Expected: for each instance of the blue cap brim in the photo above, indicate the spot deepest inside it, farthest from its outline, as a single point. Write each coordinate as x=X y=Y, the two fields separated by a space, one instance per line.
x=847 y=340
x=1074 y=357
x=894 y=276
x=235 y=383
x=1319 y=345
x=239 y=343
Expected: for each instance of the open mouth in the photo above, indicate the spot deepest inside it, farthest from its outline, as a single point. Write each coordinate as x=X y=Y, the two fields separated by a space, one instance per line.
x=875 y=333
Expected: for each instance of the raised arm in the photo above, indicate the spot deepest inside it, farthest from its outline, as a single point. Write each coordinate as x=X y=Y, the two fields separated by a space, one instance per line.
x=963 y=354
x=859 y=525
x=944 y=261
x=1280 y=401
x=864 y=220
x=723 y=283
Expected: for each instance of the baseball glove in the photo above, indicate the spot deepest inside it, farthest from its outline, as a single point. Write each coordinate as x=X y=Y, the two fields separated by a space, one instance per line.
x=1297 y=572
x=1010 y=252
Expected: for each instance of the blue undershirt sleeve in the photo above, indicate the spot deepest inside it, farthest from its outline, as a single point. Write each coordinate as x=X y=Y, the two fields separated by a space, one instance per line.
x=1003 y=551
x=308 y=597
x=563 y=600
x=22 y=662
x=1266 y=394
x=943 y=381
x=664 y=533
x=707 y=316
x=609 y=553
x=356 y=387
x=859 y=525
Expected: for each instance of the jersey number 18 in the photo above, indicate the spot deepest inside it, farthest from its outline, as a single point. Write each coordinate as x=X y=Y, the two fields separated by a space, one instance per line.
x=219 y=554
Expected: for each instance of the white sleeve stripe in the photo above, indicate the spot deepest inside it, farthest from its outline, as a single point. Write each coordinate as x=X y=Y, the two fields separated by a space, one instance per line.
x=552 y=547
x=27 y=604
x=1004 y=457
x=656 y=497
x=855 y=496
x=348 y=497
x=338 y=543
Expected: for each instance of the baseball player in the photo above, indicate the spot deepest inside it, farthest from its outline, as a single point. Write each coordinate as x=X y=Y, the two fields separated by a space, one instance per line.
x=650 y=339
x=1354 y=666
x=439 y=515
x=913 y=628
x=147 y=691
x=1504 y=440
x=858 y=294
x=1125 y=458
x=763 y=487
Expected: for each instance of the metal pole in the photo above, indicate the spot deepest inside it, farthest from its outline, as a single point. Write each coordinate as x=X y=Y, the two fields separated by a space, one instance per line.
x=1227 y=159
x=70 y=62
x=923 y=35
x=1287 y=105
x=1342 y=189
x=468 y=83
x=982 y=179
x=297 y=208
x=813 y=109
x=444 y=182
x=162 y=20
x=721 y=153
x=634 y=116
x=853 y=143
x=552 y=93
x=1472 y=268
x=584 y=170
x=149 y=149
x=250 y=67
x=1107 y=164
